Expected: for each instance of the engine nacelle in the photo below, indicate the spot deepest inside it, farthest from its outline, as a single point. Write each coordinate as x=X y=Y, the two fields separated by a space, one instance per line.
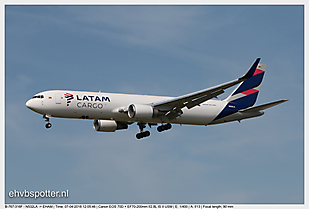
x=108 y=125
x=140 y=111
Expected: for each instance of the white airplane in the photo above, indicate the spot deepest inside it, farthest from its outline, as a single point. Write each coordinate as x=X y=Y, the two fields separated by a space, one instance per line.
x=112 y=112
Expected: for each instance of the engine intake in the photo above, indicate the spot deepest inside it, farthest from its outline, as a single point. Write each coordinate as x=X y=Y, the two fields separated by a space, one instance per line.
x=108 y=125
x=139 y=111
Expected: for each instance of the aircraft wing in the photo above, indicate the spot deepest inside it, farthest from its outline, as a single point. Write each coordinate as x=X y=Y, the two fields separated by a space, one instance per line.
x=173 y=107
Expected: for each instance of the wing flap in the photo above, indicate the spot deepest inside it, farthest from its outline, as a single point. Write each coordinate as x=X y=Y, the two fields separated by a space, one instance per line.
x=197 y=96
x=202 y=99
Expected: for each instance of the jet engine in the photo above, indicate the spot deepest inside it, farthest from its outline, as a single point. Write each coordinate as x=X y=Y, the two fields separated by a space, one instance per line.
x=108 y=125
x=140 y=111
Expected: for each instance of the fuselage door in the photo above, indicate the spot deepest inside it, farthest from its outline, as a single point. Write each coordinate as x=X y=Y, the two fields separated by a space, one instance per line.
x=58 y=98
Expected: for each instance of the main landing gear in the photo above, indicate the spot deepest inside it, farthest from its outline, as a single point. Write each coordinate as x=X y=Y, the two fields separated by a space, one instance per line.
x=164 y=127
x=142 y=134
x=48 y=124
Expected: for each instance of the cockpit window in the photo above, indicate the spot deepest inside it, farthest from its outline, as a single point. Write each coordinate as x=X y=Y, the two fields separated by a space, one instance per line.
x=39 y=96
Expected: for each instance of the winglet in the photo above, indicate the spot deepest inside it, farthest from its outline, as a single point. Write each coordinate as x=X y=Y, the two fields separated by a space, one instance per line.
x=251 y=71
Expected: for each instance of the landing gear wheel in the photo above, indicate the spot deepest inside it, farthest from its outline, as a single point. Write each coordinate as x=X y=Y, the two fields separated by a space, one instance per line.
x=48 y=125
x=168 y=126
x=139 y=136
x=142 y=134
x=146 y=133
x=164 y=127
x=160 y=128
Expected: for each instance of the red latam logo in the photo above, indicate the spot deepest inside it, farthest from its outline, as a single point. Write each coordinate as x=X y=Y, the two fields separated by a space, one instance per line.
x=69 y=97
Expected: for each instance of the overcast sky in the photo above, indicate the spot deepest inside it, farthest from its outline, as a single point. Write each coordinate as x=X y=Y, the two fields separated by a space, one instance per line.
x=157 y=50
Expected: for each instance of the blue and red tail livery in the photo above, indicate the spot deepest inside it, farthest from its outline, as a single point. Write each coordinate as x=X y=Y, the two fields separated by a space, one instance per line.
x=247 y=91
x=245 y=94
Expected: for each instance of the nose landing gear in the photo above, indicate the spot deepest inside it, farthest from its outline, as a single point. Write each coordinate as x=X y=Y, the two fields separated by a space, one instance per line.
x=48 y=124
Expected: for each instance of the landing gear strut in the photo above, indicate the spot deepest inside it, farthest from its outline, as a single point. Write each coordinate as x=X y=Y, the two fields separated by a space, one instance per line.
x=164 y=127
x=48 y=124
x=142 y=134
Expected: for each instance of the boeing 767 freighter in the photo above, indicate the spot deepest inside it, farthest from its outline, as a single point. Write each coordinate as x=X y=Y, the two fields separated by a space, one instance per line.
x=112 y=112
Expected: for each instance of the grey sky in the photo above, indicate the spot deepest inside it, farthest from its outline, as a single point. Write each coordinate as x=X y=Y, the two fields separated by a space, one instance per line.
x=158 y=50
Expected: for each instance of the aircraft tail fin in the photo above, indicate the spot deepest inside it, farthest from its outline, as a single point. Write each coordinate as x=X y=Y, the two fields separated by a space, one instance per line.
x=247 y=91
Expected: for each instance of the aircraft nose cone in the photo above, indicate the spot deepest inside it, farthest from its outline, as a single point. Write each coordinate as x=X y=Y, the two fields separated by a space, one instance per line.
x=29 y=104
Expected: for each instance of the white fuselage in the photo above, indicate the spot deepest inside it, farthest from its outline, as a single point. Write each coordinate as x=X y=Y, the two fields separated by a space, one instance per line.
x=114 y=111
x=107 y=106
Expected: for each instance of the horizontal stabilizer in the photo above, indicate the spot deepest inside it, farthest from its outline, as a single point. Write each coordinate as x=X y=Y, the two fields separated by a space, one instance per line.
x=264 y=106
